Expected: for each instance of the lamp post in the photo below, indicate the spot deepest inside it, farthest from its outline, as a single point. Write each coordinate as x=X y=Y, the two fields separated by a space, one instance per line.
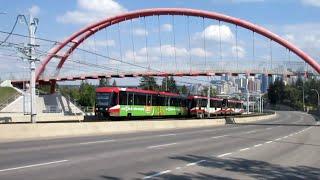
x=318 y=97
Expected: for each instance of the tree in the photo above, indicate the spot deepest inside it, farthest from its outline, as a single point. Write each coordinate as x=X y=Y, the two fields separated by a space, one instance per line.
x=104 y=82
x=148 y=83
x=184 y=90
x=169 y=84
x=86 y=94
x=114 y=83
x=276 y=91
x=204 y=91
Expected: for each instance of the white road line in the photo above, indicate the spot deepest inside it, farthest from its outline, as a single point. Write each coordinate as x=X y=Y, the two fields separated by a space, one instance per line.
x=226 y=154
x=257 y=145
x=269 y=128
x=195 y=163
x=95 y=142
x=216 y=137
x=250 y=132
x=244 y=149
x=161 y=145
x=33 y=165
x=285 y=136
x=157 y=174
x=278 y=139
x=177 y=168
x=268 y=142
x=165 y=135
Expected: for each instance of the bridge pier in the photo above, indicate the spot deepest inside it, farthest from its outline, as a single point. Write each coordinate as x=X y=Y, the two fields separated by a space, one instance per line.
x=53 y=86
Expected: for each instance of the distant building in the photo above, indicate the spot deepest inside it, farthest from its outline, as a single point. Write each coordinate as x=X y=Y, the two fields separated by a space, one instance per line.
x=264 y=83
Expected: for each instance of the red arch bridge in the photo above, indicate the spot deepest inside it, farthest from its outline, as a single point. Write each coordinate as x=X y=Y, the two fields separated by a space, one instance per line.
x=171 y=42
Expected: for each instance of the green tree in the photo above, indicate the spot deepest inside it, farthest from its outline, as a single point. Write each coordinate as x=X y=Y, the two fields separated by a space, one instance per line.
x=86 y=94
x=169 y=84
x=104 y=82
x=204 y=91
x=148 y=83
x=276 y=91
x=184 y=90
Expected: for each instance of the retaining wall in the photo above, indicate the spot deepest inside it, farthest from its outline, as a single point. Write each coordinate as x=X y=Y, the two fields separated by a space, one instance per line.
x=14 y=132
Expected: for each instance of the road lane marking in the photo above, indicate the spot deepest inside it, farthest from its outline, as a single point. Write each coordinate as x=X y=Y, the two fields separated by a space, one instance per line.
x=268 y=142
x=33 y=165
x=268 y=128
x=177 y=168
x=195 y=163
x=257 y=145
x=216 y=137
x=278 y=139
x=165 y=135
x=226 y=154
x=161 y=145
x=244 y=149
x=95 y=142
x=250 y=132
x=157 y=174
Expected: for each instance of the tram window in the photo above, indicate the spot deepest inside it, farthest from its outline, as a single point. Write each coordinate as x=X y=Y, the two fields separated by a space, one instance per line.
x=155 y=100
x=161 y=101
x=174 y=102
x=139 y=99
x=167 y=101
x=204 y=103
x=114 y=99
x=130 y=99
x=123 y=98
x=149 y=97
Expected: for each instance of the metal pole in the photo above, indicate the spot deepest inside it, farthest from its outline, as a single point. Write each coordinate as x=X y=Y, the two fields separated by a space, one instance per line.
x=318 y=98
x=262 y=105
x=248 y=106
x=303 y=95
x=32 y=59
x=208 y=96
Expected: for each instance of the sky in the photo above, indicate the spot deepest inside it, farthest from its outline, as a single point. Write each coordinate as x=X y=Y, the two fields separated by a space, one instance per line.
x=294 y=20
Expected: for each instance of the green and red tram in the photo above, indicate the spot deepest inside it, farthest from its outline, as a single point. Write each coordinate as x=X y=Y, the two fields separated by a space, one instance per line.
x=130 y=102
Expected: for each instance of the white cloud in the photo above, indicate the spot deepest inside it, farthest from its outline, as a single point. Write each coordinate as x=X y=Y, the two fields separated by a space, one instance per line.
x=199 y=52
x=166 y=27
x=89 y=11
x=238 y=50
x=167 y=50
x=140 y=32
x=311 y=2
x=213 y=32
x=34 y=10
x=306 y=36
x=100 y=43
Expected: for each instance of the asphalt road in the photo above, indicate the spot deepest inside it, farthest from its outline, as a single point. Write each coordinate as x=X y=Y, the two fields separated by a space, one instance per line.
x=286 y=147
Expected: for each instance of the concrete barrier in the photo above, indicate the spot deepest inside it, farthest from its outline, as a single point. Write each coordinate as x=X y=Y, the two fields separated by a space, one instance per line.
x=15 y=132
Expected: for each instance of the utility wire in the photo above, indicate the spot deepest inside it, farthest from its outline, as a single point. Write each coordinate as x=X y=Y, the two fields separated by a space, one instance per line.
x=97 y=54
x=10 y=33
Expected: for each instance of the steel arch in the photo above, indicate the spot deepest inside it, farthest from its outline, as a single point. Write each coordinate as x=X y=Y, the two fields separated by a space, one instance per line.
x=78 y=37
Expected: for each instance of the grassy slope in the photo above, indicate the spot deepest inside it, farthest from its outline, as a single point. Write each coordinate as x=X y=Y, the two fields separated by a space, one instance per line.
x=6 y=92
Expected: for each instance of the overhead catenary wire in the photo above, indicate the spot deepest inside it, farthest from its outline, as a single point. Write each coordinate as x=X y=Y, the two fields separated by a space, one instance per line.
x=101 y=55
x=12 y=29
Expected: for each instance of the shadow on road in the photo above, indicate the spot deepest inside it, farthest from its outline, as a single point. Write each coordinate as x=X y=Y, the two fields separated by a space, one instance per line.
x=251 y=168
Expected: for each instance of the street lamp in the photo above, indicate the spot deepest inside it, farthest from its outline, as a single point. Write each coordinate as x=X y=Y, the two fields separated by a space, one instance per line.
x=318 y=97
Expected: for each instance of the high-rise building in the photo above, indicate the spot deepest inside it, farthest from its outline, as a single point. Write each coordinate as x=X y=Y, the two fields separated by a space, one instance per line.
x=264 y=83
